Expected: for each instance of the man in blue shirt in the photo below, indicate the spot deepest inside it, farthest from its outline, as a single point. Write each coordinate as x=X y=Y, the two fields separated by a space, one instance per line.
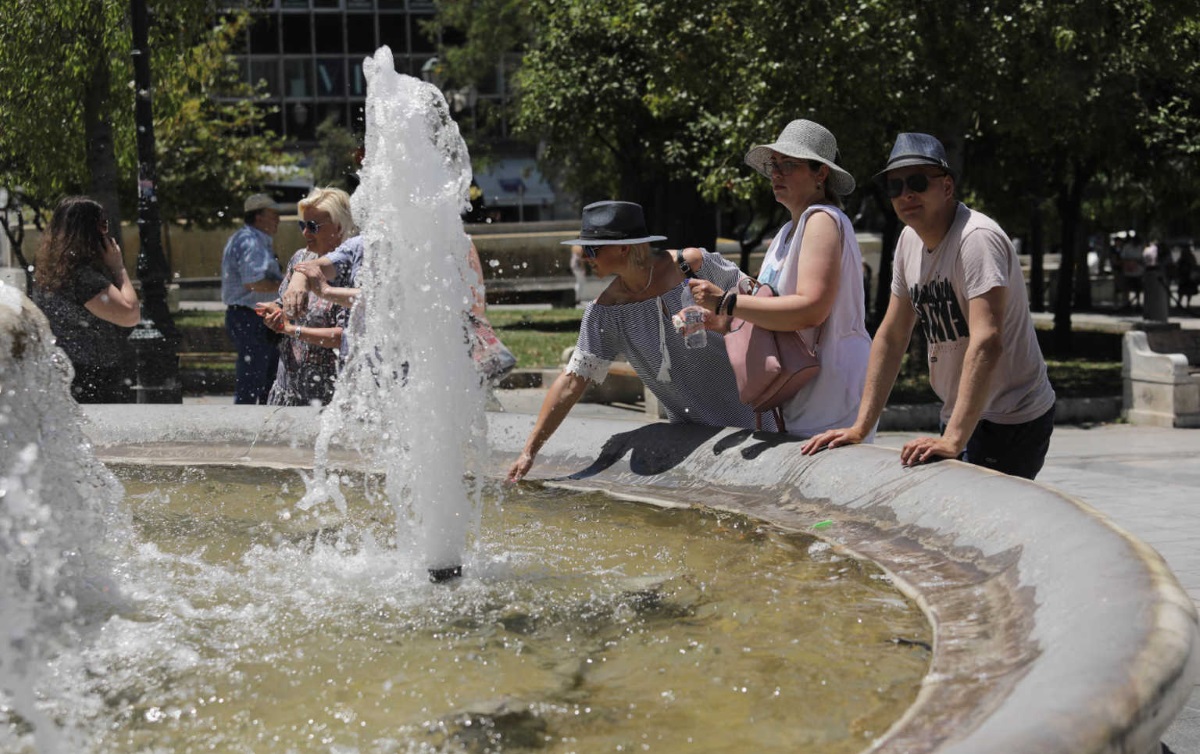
x=250 y=275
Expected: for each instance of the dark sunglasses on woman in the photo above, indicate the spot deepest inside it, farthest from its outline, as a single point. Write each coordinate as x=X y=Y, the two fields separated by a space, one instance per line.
x=310 y=225
x=917 y=182
x=591 y=251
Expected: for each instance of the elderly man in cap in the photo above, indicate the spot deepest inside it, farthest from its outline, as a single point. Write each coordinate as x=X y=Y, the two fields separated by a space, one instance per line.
x=957 y=273
x=250 y=275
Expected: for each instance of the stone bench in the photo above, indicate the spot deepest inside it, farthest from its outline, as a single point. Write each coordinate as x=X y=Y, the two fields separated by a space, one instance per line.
x=1161 y=375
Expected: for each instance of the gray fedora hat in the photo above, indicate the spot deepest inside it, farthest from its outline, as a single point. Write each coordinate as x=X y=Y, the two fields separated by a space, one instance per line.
x=916 y=149
x=804 y=140
x=612 y=223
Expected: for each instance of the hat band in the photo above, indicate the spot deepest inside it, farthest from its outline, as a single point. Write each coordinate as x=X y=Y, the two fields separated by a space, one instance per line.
x=927 y=158
x=602 y=234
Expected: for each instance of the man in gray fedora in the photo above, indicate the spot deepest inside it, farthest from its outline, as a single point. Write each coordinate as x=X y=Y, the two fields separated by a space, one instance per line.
x=957 y=274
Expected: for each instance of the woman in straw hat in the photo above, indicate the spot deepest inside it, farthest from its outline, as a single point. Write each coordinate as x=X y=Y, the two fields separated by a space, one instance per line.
x=633 y=316
x=815 y=266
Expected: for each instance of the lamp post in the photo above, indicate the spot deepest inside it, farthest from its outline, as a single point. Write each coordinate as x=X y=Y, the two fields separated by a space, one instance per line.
x=155 y=339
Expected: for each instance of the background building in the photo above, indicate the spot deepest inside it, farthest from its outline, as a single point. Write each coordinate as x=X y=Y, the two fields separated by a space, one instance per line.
x=310 y=54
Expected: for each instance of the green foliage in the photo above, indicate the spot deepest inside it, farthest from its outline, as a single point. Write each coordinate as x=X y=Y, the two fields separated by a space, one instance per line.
x=66 y=65
x=334 y=160
x=1035 y=97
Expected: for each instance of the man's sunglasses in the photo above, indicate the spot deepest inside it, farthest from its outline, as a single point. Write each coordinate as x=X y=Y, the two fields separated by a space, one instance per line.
x=592 y=251
x=310 y=225
x=917 y=182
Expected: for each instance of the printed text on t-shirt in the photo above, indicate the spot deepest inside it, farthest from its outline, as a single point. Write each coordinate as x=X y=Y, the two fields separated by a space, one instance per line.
x=941 y=317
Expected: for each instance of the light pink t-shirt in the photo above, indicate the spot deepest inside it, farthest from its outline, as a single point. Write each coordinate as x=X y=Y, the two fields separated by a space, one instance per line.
x=974 y=257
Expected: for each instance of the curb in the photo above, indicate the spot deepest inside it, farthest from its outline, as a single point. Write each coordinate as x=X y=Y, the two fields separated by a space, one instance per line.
x=913 y=417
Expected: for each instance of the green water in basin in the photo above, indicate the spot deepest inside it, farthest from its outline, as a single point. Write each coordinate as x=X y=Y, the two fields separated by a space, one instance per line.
x=584 y=624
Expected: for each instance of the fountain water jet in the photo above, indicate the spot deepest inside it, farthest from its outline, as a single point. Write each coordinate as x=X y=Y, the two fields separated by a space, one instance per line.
x=56 y=504
x=410 y=396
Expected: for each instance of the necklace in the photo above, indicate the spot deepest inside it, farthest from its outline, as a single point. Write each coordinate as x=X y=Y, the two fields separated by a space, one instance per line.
x=649 y=280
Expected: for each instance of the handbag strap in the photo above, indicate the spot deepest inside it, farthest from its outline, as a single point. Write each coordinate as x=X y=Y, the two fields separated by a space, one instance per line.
x=780 y=424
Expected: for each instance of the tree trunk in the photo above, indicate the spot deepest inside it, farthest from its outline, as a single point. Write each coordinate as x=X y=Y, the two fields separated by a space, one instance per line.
x=686 y=219
x=101 y=151
x=887 y=252
x=1083 y=276
x=1037 y=257
x=1070 y=201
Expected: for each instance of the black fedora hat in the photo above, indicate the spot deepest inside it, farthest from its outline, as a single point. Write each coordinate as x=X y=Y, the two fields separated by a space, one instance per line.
x=611 y=223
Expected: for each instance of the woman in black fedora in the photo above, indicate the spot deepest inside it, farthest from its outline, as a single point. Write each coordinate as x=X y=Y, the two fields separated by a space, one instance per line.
x=634 y=316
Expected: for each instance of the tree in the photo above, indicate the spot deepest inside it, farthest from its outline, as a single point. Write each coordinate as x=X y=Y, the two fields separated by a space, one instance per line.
x=334 y=161
x=1040 y=102
x=67 y=107
x=1080 y=98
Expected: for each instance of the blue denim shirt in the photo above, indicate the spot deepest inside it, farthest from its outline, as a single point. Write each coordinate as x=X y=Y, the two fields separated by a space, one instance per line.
x=248 y=258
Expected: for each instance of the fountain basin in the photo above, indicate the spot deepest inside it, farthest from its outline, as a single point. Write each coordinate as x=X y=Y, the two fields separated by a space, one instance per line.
x=1055 y=631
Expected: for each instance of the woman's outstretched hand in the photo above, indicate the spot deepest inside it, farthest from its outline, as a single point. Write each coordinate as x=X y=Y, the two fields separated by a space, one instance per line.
x=520 y=467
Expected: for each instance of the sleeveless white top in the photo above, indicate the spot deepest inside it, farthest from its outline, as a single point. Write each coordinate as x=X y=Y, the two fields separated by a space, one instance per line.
x=831 y=400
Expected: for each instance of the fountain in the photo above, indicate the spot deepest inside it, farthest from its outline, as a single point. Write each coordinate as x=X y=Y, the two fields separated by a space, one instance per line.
x=1023 y=657
x=423 y=425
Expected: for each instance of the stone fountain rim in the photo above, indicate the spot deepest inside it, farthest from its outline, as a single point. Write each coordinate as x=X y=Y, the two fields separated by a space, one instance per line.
x=1055 y=630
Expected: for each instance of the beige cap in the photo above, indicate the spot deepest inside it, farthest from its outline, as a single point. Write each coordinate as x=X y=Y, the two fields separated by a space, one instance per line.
x=260 y=201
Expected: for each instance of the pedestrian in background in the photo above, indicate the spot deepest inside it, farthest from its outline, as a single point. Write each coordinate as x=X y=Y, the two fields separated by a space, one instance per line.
x=81 y=285
x=250 y=275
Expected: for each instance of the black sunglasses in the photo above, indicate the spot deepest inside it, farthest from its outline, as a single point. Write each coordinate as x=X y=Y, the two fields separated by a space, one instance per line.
x=311 y=225
x=917 y=182
x=592 y=251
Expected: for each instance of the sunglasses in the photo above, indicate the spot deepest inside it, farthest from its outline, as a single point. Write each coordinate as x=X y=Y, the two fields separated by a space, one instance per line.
x=592 y=251
x=917 y=183
x=310 y=225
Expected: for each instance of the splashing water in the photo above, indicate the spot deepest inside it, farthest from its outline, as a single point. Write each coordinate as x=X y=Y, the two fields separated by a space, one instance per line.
x=410 y=396
x=56 y=503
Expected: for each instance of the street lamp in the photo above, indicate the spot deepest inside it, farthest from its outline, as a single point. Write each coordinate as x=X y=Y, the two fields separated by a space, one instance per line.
x=155 y=339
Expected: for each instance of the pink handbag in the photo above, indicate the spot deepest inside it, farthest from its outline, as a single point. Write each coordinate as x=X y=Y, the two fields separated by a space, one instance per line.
x=770 y=367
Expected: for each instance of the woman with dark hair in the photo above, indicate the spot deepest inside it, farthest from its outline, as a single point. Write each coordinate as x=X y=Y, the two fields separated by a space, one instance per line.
x=815 y=266
x=81 y=285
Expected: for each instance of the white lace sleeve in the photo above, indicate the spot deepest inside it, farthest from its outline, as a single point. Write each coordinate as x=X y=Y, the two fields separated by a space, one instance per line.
x=588 y=366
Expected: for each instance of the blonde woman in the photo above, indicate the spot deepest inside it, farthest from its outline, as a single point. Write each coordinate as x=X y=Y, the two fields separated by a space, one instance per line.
x=308 y=355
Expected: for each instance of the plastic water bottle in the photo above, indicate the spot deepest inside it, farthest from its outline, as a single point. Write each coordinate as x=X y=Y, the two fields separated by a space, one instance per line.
x=694 y=334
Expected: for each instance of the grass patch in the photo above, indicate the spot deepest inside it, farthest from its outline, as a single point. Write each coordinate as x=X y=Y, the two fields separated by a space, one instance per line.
x=200 y=318
x=537 y=337
x=1071 y=378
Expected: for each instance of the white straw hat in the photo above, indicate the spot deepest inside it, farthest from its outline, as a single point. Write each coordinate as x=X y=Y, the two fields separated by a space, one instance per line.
x=804 y=140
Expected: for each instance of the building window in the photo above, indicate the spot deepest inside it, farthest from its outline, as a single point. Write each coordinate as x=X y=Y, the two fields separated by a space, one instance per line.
x=266 y=71
x=264 y=36
x=330 y=79
x=360 y=33
x=298 y=74
x=330 y=29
